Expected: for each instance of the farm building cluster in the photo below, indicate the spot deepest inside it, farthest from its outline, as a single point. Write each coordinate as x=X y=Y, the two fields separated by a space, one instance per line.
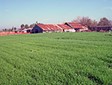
x=65 y=27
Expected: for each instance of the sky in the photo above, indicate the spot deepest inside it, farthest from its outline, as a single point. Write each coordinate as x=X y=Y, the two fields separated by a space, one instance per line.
x=17 y=12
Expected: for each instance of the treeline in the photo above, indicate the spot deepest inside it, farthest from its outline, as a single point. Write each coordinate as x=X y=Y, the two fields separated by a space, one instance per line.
x=13 y=29
x=26 y=26
x=86 y=21
x=22 y=27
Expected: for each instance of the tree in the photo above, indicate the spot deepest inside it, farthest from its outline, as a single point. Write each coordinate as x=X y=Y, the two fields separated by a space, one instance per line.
x=94 y=23
x=26 y=26
x=32 y=25
x=111 y=22
x=77 y=19
x=14 y=29
x=104 y=22
x=86 y=21
x=22 y=26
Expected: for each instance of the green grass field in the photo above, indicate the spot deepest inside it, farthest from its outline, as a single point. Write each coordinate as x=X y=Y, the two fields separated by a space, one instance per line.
x=56 y=59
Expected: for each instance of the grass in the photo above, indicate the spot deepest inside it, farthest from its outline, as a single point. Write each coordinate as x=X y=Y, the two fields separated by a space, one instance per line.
x=56 y=59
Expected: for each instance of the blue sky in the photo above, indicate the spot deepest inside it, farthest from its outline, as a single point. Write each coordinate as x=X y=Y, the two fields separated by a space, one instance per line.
x=17 y=12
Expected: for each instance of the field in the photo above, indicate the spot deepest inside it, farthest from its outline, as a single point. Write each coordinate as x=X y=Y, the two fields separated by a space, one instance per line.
x=56 y=59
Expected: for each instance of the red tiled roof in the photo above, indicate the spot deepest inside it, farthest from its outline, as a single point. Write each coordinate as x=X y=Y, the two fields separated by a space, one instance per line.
x=43 y=26
x=49 y=26
x=75 y=25
x=63 y=26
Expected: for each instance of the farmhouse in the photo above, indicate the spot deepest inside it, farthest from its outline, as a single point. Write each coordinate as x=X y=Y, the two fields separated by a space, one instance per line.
x=66 y=27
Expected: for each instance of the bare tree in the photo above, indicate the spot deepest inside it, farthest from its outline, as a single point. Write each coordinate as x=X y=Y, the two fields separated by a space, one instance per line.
x=111 y=22
x=94 y=23
x=32 y=25
x=86 y=21
x=104 y=22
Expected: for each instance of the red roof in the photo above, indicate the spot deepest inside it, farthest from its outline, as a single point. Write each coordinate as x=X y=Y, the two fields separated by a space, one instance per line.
x=54 y=27
x=43 y=26
x=63 y=26
x=75 y=25
x=49 y=26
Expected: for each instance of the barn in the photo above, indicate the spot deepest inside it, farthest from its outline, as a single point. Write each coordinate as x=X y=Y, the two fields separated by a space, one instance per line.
x=40 y=28
x=76 y=26
x=65 y=27
x=37 y=29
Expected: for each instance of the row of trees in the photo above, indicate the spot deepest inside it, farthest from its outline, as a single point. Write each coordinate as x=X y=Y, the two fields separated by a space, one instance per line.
x=13 y=29
x=26 y=26
x=86 y=21
x=22 y=27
